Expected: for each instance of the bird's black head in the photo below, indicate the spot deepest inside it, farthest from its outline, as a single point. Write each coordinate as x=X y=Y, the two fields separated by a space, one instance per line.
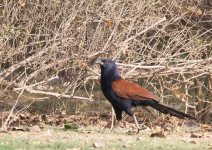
x=106 y=63
x=108 y=68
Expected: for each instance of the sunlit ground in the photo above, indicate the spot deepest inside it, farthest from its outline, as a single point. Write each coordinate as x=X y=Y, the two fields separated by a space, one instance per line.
x=100 y=138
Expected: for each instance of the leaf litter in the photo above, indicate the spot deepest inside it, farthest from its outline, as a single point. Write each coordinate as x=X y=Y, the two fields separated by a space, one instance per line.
x=32 y=121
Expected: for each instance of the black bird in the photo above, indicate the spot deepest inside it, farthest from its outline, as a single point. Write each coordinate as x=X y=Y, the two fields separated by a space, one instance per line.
x=124 y=95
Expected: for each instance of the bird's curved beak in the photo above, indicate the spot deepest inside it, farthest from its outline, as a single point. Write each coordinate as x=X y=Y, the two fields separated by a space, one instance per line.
x=99 y=61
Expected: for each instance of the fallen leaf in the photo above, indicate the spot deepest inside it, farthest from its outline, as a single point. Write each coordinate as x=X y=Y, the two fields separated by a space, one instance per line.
x=41 y=125
x=72 y=126
x=128 y=145
x=188 y=140
x=121 y=139
x=193 y=142
x=130 y=132
x=19 y=129
x=196 y=135
x=207 y=127
x=158 y=134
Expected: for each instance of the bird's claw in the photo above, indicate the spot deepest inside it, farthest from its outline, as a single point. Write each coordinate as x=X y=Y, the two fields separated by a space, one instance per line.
x=141 y=128
x=112 y=129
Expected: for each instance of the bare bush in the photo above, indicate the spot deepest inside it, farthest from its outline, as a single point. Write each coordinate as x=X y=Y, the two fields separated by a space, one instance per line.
x=39 y=39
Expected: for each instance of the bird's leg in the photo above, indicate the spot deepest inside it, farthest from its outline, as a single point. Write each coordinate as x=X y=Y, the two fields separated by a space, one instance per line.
x=137 y=125
x=116 y=123
x=113 y=120
x=117 y=115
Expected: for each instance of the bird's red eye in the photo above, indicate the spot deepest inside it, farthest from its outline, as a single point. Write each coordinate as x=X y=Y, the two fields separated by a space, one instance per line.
x=106 y=62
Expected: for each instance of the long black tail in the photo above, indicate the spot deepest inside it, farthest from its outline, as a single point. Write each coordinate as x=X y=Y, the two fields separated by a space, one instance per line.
x=167 y=110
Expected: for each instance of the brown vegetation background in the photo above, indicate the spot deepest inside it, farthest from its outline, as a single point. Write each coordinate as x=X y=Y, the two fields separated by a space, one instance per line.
x=49 y=48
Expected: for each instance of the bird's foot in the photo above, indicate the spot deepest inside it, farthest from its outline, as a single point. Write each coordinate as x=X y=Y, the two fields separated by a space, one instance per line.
x=113 y=126
x=141 y=128
x=112 y=129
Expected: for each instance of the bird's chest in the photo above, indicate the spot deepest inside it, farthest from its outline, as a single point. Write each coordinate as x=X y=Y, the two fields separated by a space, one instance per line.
x=113 y=99
x=108 y=93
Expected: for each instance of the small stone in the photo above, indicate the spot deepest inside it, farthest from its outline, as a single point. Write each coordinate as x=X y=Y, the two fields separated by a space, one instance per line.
x=139 y=138
x=98 y=144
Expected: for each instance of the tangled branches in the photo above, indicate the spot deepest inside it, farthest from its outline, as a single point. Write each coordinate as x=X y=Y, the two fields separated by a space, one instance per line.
x=45 y=39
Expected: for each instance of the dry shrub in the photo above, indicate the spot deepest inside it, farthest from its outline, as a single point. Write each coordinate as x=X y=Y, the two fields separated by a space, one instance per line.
x=40 y=38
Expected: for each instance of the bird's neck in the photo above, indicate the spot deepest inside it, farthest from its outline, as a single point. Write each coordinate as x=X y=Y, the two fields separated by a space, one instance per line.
x=107 y=77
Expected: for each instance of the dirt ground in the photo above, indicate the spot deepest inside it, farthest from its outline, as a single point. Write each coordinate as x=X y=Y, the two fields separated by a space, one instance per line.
x=100 y=138
x=74 y=132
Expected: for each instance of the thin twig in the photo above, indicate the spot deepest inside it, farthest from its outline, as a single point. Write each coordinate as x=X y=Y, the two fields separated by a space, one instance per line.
x=11 y=111
x=143 y=31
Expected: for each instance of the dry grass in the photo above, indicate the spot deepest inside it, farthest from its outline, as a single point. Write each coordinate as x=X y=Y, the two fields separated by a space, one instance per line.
x=93 y=138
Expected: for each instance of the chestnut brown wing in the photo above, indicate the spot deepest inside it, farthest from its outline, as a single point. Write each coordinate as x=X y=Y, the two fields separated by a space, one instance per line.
x=129 y=90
